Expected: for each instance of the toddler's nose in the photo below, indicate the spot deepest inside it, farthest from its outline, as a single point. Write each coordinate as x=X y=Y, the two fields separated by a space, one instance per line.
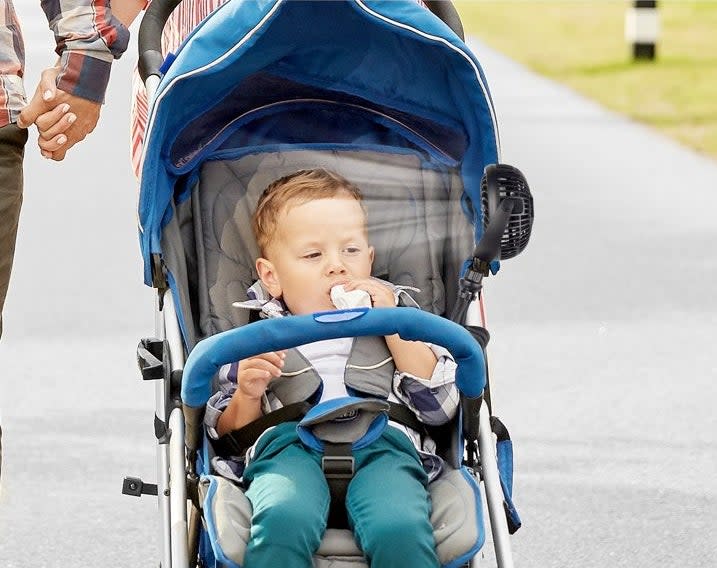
x=335 y=266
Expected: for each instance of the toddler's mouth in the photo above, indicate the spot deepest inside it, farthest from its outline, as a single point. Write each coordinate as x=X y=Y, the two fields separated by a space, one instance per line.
x=338 y=283
x=344 y=300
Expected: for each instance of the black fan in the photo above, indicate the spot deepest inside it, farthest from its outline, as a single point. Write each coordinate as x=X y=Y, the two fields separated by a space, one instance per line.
x=502 y=184
x=507 y=221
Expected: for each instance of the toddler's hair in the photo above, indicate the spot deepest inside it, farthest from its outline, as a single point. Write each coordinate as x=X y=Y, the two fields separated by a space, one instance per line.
x=296 y=189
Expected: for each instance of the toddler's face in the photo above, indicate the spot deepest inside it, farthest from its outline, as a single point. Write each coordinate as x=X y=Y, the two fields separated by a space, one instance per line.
x=317 y=245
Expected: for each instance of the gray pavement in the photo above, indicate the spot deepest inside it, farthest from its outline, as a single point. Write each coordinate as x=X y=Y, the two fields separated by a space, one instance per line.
x=601 y=352
x=602 y=332
x=76 y=418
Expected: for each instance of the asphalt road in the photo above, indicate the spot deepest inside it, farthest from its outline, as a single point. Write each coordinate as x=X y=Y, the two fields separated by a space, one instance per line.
x=601 y=351
x=601 y=355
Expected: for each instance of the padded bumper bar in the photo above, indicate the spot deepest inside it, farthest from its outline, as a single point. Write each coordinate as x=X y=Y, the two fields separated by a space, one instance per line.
x=284 y=333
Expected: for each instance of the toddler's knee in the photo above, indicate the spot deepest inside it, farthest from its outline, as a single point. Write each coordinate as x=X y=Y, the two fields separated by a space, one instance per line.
x=291 y=523
x=394 y=540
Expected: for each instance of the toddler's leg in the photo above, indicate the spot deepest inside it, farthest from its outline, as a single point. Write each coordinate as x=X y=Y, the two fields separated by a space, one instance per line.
x=290 y=501
x=389 y=506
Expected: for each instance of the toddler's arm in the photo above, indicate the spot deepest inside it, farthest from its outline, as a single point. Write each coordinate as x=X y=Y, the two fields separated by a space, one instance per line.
x=433 y=398
x=425 y=374
x=252 y=379
x=413 y=357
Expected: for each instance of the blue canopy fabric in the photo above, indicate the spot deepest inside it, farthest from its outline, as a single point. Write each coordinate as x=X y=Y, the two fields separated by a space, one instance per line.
x=394 y=61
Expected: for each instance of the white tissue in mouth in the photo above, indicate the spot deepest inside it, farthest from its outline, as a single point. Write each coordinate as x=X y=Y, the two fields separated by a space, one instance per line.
x=344 y=300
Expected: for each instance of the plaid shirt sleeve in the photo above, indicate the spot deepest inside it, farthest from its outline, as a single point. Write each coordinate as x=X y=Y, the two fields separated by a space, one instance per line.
x=218 y=402
x=88 y=38
x=12 y=65
x=434 y=400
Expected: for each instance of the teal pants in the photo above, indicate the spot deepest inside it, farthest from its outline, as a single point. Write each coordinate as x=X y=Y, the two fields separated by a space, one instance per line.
x=387 y=503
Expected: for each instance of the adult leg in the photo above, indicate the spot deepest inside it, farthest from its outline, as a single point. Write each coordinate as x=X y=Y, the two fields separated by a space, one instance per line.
x=290 y=501
x=388 y=504
x=12 y=146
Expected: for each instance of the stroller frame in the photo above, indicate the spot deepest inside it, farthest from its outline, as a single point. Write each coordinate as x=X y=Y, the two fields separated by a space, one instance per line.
x=162 y=358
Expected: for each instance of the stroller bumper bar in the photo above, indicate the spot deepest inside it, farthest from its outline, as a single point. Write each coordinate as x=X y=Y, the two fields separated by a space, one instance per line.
x=284 y=333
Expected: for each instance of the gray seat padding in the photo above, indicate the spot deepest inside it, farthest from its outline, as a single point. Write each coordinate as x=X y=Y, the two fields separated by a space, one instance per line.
x=456 y=519
x=414 y=216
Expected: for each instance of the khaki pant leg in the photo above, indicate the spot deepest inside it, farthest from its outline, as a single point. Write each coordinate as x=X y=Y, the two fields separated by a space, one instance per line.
x=12 y=146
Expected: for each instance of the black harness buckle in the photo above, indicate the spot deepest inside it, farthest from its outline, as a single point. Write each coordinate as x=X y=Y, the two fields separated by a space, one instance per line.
x=338 y=467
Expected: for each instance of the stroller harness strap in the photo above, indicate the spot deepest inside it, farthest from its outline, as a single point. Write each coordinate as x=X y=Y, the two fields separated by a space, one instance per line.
x=237 y=442
x=338 y=466
x=299 y=383
x=369 y=372
x=336 y=428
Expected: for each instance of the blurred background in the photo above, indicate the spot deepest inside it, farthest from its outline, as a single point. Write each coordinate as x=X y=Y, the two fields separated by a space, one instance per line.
x=588 y=46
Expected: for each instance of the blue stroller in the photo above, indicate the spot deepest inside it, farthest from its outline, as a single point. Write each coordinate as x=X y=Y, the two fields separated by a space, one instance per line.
x=387 y=95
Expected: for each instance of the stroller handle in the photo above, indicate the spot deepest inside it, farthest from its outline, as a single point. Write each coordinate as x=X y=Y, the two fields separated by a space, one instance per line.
x=284 y=333
x=158 y=12
x=447 y=12
x=150 y=37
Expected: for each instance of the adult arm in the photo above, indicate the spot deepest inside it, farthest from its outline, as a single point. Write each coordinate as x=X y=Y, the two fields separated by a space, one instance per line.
x=89 y=36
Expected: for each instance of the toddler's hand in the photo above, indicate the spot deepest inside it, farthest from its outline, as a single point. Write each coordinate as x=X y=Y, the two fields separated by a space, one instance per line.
x=256 y=372
x=381 y=295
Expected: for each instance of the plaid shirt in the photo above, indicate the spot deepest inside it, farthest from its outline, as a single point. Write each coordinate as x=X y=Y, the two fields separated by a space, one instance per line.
x=433 y=400
x=88 y=38
x=183 y=20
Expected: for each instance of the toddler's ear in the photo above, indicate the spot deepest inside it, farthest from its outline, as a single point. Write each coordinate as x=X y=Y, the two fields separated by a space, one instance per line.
x=371 y=254
x=268 y=276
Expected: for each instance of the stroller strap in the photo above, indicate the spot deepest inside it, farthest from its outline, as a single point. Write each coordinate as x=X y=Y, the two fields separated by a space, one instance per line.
x=402 y=415
x=504 y=455
x=237 y=442
x=337 y=464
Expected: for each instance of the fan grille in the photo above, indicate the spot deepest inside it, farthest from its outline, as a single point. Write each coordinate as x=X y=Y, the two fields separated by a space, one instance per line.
x=503 y=181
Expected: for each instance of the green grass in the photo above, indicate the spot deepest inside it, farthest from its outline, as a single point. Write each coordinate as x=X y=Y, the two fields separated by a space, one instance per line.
x=581 y=43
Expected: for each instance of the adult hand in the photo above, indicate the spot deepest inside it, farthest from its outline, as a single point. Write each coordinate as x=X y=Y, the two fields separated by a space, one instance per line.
x=59 y=129
x=52 y=126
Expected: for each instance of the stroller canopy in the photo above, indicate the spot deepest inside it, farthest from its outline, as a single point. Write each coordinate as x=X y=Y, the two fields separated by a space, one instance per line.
x=253 y=61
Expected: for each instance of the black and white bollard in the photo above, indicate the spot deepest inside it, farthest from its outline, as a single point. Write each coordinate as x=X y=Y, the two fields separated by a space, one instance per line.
x=642 y=26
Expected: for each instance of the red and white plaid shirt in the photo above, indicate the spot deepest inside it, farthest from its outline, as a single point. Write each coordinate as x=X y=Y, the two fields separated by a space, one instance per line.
x=88 y=38
x=182 y=21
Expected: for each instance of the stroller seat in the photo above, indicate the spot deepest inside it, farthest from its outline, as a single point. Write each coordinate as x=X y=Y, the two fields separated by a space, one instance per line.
x=457 y=521
x=421 y=237
x=415 y=221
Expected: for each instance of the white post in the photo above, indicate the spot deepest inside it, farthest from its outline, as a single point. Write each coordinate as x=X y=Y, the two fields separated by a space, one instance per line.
x=642 y=28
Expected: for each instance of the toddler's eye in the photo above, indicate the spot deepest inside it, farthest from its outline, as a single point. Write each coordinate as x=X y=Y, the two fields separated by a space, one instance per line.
x=352 y=250
x=312 y=255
